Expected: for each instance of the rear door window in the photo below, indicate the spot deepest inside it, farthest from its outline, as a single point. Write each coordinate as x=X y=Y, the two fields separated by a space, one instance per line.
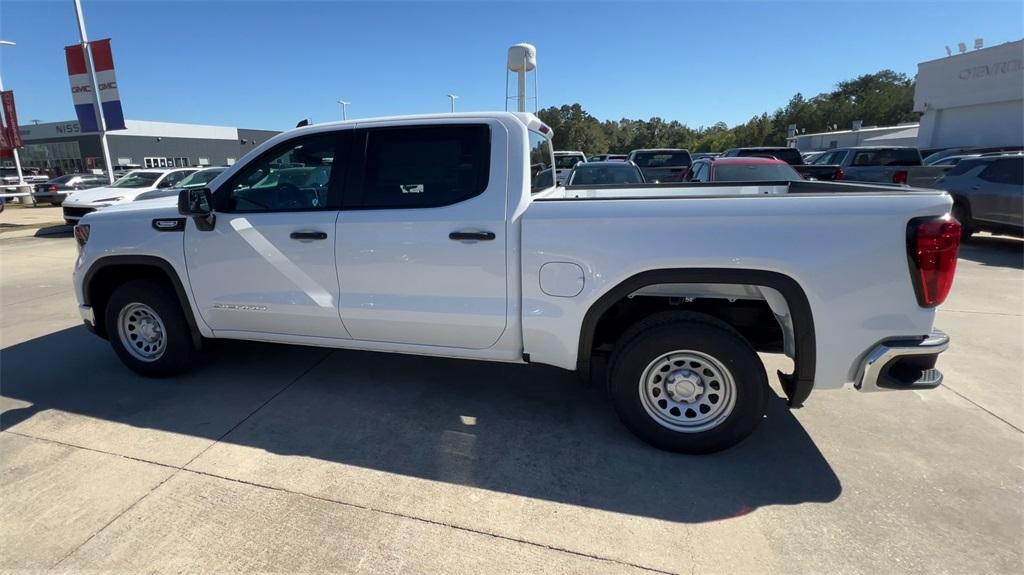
x=420 y=167
x=1005 y=171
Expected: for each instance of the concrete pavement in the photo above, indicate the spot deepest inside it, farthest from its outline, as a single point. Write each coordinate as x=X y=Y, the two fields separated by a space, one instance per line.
x=278 y=458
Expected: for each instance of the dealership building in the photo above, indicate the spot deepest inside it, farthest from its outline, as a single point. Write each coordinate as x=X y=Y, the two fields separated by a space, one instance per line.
x=972 y=99
x=142 y=144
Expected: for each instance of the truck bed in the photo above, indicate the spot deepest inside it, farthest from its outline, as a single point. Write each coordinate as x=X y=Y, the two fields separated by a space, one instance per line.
x=843 y=244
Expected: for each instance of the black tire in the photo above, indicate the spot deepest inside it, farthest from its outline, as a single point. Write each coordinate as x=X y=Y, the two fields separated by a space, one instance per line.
x=663 y=333
x=56 y=203
x=962 y=212
x=179 y=352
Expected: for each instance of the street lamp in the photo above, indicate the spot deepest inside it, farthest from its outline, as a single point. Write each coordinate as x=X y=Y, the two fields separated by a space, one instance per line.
x=14 y=151
x=452 y=98
x=344 y=109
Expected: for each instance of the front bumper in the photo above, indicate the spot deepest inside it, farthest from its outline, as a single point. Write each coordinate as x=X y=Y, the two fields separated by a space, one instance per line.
x=903 y=364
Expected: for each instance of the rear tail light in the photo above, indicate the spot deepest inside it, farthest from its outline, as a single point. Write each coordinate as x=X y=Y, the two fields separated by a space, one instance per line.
x=932 y=246
x=839 y=175
x=82 y=234
x=899 y=177
x=53 y=188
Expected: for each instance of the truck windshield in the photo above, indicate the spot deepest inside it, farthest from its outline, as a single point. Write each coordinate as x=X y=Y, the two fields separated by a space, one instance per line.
x=789 y=155
x=137 y=180
x=199 y=179
x=541 y=175
x=887 y=157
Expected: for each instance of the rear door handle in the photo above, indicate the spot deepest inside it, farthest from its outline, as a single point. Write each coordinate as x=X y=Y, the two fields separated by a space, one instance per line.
x=479 y=236
x=307 y=236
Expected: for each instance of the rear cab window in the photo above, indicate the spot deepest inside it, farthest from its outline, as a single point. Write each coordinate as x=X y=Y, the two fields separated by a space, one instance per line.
x=666 y=159
x=542 y=175
x=887 y=157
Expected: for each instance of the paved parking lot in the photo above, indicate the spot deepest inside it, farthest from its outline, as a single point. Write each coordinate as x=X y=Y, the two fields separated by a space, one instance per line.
x=275 y=458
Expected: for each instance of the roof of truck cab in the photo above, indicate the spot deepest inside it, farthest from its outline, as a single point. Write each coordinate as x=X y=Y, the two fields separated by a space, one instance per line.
x=523 y=117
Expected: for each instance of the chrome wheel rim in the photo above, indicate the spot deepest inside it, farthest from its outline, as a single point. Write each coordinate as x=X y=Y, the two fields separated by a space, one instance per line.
x=142 y=332
x=687 y=391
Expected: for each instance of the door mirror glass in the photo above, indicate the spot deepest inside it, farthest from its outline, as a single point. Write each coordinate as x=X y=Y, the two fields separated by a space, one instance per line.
x=195 y=202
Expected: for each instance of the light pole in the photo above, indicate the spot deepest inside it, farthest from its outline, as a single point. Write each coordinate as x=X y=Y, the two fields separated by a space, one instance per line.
x=14 y=151
x=453 y=97
x=344 y=109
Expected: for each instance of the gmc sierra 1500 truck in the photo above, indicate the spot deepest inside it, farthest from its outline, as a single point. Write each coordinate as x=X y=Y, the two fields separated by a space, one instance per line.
x=426 y=235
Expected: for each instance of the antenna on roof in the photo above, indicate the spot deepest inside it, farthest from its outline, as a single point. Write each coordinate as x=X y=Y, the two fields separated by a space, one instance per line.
x=948 y=51
x=303 y=122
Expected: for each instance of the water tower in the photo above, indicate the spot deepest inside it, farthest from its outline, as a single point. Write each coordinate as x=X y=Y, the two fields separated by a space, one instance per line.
x=522 y=58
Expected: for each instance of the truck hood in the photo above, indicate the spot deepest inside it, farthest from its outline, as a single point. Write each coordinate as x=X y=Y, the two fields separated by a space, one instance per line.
x=156 y=208
x=93 y=195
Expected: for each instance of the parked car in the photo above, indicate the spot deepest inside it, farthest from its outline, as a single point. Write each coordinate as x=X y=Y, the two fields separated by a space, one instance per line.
x=791 y=156
x=988 y=194
x=55 y=190
x=662 y=165
x=740 y=169
x=126 y=189
x=198 y=179
x=938 y=157
x=882 y=164
x=564 y=163
x=29 y=175
x=432 y=243
x=604 y=173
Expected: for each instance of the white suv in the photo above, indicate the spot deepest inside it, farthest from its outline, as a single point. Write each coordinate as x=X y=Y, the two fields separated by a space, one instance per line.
x=126 y=189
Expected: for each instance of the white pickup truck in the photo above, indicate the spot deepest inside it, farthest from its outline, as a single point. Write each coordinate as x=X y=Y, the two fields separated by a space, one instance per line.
x=426 y=235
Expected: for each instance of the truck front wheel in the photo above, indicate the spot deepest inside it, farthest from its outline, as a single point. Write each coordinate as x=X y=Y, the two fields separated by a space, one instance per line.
x=688 y=383
x=147 y=329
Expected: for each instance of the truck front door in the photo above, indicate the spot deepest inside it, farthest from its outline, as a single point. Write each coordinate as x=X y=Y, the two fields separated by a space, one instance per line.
x=268 y=264
x=421 y=241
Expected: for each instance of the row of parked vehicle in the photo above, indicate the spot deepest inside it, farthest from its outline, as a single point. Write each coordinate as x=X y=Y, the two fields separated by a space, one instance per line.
x=986 y=183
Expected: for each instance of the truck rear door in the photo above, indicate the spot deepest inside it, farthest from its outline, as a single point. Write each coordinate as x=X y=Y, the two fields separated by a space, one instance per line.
x=421 y=239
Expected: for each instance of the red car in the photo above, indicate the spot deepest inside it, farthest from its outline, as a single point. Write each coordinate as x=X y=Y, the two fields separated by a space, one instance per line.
x=747 y=169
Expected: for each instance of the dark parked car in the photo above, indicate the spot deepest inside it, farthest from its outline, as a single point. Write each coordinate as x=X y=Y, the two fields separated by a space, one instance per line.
x=988 y=194
x=55 y=190
x=604 y=173
x=662 y=165
x=741 y=170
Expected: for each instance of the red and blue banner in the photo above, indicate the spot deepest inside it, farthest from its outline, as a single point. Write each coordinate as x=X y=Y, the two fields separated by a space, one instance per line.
x=81 y=86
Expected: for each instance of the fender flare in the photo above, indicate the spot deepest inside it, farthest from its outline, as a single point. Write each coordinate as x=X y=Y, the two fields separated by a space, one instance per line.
x=797 y=385
x=161 y=264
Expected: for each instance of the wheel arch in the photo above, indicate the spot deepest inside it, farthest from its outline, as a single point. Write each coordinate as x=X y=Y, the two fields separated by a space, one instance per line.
x=108 y=272
x=797 y=385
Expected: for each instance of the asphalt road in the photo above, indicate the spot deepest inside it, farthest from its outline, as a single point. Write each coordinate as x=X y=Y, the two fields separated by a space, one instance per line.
x=277 y=458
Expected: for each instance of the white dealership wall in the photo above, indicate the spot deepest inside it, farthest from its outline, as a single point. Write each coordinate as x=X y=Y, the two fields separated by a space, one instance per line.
x=901 y=135
x=972 y=99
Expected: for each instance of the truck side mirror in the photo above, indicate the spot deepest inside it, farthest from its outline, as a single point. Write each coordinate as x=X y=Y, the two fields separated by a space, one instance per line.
x=197 y=203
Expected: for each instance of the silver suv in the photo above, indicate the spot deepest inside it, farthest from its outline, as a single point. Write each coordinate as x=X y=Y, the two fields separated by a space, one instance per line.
x=988 y=194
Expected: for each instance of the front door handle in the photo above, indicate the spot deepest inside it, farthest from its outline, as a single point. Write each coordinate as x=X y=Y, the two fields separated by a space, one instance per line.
x=307 y=236
x=478 y=236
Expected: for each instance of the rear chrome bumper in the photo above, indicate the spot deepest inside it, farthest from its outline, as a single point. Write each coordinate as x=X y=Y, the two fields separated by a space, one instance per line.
x=903 y=364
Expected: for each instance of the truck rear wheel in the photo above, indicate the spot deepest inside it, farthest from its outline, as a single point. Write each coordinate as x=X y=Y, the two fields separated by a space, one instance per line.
x=688 y=383
x=147 y=329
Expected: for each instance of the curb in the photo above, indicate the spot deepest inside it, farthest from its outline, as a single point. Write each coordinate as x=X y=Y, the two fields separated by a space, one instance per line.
x=41 y=232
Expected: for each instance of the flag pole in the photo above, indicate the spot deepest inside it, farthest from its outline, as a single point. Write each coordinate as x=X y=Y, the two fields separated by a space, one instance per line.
x=87 y=51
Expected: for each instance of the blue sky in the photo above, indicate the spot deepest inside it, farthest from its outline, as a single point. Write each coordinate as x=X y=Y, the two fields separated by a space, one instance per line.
x=268 y=64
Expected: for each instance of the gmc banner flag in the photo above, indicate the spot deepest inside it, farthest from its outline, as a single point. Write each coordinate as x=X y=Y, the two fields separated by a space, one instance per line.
x=11 y=132
x=4 y=146
x=81 y=86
